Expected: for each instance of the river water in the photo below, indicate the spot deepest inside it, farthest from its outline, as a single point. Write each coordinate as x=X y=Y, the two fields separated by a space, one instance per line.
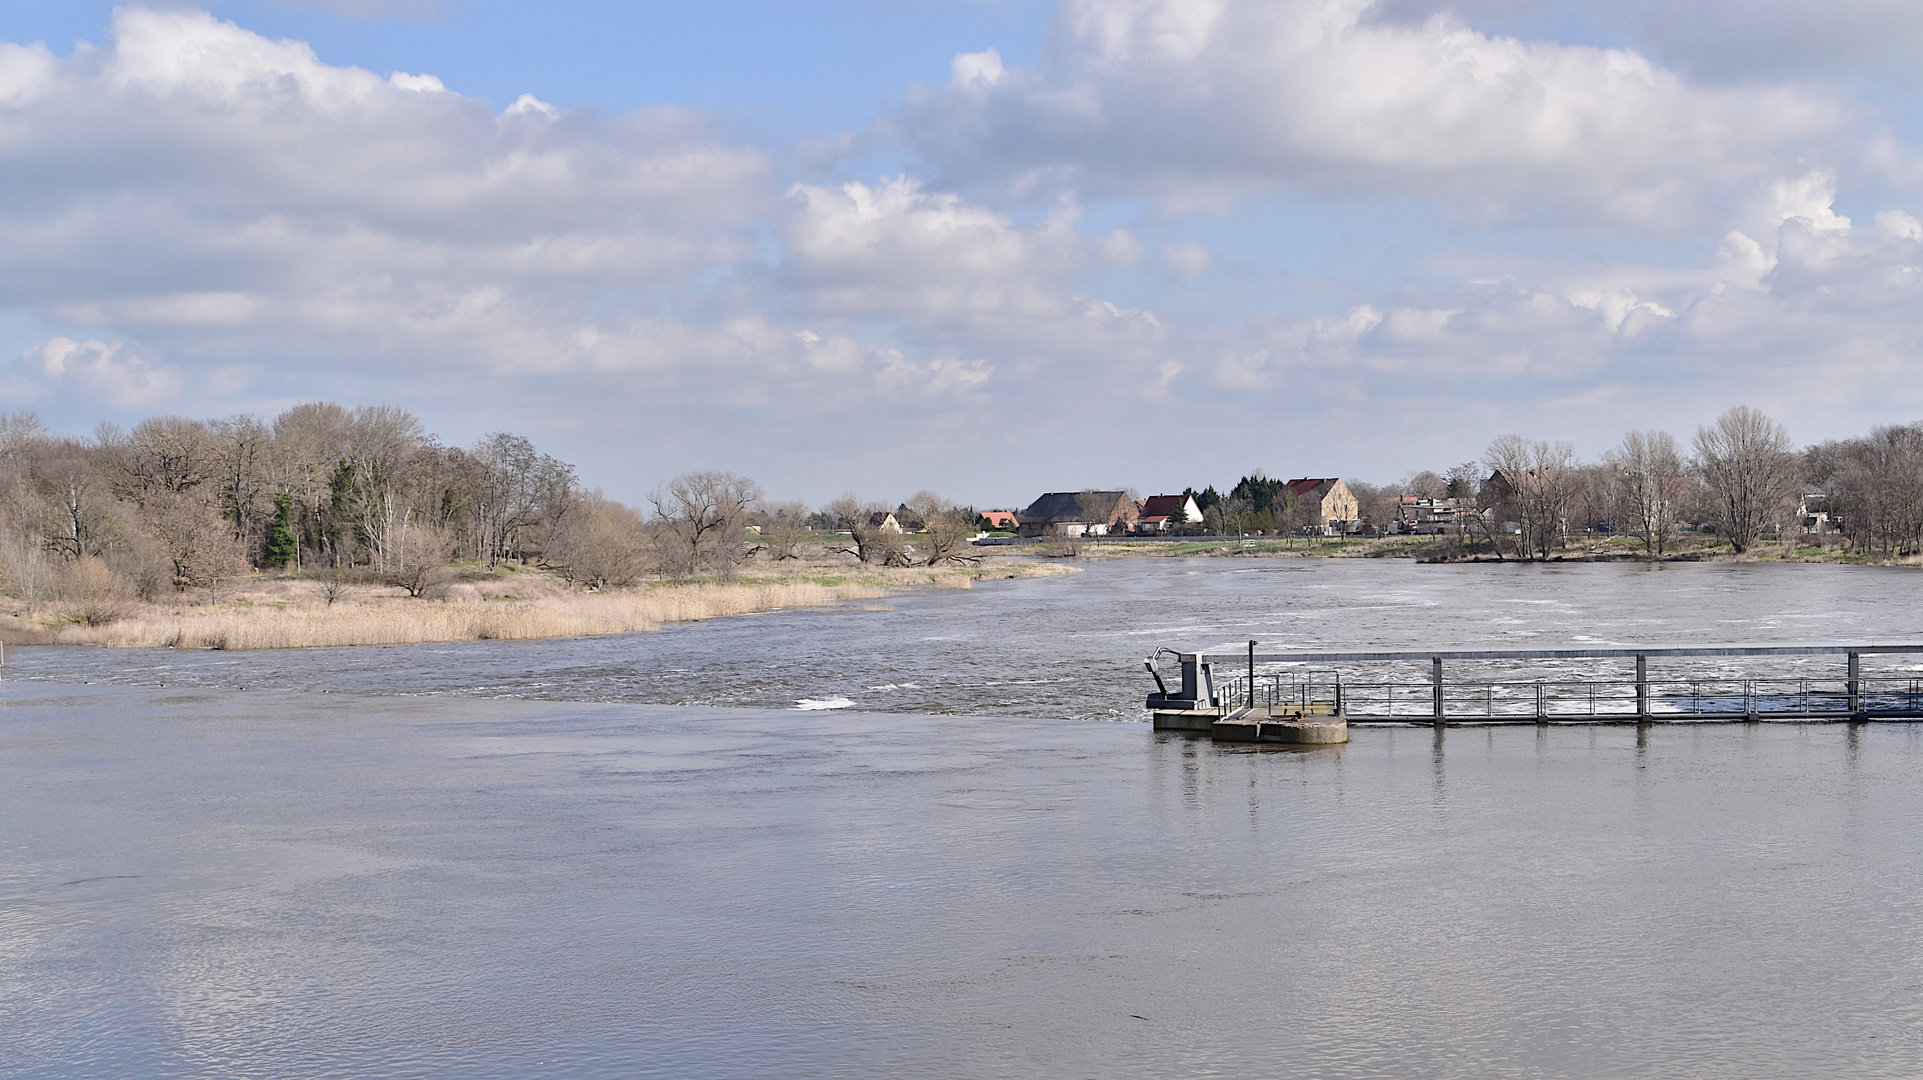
x=639 y=856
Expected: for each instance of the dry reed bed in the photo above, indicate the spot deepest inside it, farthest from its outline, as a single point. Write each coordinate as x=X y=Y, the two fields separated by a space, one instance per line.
x=394 y=621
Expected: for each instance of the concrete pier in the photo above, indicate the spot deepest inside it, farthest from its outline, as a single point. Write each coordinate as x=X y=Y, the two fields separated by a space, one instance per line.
x=1263 y=725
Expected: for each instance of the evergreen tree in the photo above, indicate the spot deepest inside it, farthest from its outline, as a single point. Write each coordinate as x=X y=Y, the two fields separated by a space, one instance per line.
x=280 y=549
x=340 y=507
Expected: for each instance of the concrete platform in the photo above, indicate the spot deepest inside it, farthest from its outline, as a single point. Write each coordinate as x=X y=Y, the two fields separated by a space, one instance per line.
x=1198 y=720
x=1279 y=726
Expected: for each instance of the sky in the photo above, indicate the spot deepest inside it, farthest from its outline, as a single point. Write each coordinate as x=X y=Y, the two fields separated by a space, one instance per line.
x=985 y=247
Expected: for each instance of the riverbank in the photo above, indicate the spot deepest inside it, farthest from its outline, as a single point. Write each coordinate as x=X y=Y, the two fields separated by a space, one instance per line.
x=475 y=603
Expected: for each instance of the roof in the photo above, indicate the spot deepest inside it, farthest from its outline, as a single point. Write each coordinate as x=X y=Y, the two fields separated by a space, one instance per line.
x=999 y=516
x=1312 y=485
x=1067 y=506
x=879 y=518
x=1163 y=506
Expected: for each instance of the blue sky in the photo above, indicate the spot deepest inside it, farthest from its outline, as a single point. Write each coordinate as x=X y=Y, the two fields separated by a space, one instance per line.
x=989 y=247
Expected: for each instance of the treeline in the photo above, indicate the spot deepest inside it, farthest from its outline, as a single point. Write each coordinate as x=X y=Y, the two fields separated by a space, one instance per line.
x=1741 y=480
x=177 y=504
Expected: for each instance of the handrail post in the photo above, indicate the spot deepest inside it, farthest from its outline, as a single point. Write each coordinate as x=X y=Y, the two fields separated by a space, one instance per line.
x=1435 y=686
x=1856 y=687
x=1251 y=674
x=1642 y=687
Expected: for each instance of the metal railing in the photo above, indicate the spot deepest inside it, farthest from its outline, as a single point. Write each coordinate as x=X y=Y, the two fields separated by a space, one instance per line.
x=1523 y=701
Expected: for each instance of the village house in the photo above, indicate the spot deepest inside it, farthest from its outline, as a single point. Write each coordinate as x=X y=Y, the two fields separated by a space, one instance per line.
x=997 y=521
x=1335 y=506
x=1813 y=511
x=1079 y=513
x=1163 y=513
x=1426 y=517
x=883 y=521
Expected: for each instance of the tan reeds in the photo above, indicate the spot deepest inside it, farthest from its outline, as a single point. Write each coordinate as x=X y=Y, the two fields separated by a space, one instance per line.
x=395 y=621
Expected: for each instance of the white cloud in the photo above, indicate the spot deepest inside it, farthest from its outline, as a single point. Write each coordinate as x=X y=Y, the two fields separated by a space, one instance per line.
x=102 y=371
x=976 y=69
x=1122 y=248
x=1189 y=261
x=1897 y=225
x=897 y=249
x=1197 y=103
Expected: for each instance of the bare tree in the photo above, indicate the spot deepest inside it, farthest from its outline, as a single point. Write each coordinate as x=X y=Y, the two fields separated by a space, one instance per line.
x=242 y=451
x=517 y=488
x=1748 y=468
x=93 y=592
x=1424 y=485
x=1651 y=483
x=782 y=526
x=1532 y=481
x=384 y=442
x=700 y=520
x=602 y=543
x=945 y=526
x=1876 y=487
x=198 y=544
x=310 y=441
x=164 y=454
x=420 y=558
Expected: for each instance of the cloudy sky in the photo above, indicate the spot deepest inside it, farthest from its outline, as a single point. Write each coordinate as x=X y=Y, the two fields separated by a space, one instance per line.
x=990 y=247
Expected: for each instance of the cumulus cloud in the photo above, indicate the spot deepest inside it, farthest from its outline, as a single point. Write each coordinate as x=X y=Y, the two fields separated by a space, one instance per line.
x=98 y=370
x=194 y=173
x=1199 y=103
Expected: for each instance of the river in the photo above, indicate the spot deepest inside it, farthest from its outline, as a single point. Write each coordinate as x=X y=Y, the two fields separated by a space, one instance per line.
x=661 y=855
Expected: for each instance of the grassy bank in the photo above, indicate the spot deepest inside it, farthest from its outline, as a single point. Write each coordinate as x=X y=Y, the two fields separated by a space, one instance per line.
x=475 y=604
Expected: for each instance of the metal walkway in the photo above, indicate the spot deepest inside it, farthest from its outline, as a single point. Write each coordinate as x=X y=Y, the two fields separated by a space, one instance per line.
x=1502 y=691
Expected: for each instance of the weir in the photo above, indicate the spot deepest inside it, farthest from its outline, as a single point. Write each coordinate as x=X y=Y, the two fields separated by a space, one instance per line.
x=1657 y=684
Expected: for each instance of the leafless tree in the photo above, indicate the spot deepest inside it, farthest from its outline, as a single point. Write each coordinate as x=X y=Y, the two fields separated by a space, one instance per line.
x=944 y=527
x=242 y=449
x=28 y=569
x=420 y=557
x=310 y=441
x=1423 y=485
x=1748 y=470
x=783 y=525
x=700 y=520
x=77 y=516
x=198 y=544
x=1535 y=484
x=384 y=442
x=168 y=454
x=93 y=593
x=602 y=543
x=1651 y=482
x=517 y=489
x=333 y=584
x=1876 y=488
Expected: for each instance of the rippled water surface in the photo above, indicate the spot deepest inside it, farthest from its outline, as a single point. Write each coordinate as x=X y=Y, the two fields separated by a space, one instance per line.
x=1072 y=646
x=203 y=880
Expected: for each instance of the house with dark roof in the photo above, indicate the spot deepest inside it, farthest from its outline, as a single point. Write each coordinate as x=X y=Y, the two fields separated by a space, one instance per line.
x=1334 y=504
x=883 y=521
x=1079 y=513
x=1162 y=513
